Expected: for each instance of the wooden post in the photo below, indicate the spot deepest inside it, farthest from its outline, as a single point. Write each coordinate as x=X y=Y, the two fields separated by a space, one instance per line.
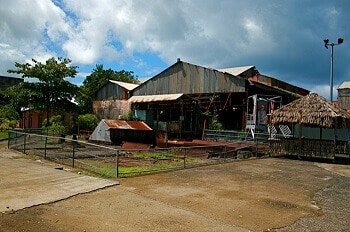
x=300 y=140
x=74 y=144
x=9 y=138
x=185 y=157
x=117 y=164
x=320 y=142
x=24 y=143
x=45 y=147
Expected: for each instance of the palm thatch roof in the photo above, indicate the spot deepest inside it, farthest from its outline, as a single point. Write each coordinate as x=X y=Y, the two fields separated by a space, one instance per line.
x=311 y=110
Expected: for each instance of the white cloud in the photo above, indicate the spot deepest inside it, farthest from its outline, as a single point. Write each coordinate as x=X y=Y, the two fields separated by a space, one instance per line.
x=25 y=25
x=282 y=37
x=331 y=15
x=324 y=90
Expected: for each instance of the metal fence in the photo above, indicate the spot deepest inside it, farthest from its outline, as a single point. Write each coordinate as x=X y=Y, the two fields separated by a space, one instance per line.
x=113 y=161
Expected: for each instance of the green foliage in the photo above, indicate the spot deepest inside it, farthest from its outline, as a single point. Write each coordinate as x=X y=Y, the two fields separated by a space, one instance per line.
x=96 y=80
x=214 y=123
x=56 y=126
x=128 y=117
x=87 y=121
x=52 y=92
x=57 y=119
x=4 y=124
x=3 y=134
x=153 y=155
x=8 y=117
x=11 y=104
x=8 y=112
x=12 y=124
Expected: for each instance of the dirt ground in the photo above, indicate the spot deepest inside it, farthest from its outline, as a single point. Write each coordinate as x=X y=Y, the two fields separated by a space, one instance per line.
x=266 y=194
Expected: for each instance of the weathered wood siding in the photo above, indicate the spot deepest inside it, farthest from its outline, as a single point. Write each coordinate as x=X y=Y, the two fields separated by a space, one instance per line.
x=190 y=79
x=344 y=98
x=111 y=91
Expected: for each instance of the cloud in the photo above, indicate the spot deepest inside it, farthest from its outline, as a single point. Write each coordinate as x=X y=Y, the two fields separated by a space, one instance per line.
x=26 y=27
x=284 y=38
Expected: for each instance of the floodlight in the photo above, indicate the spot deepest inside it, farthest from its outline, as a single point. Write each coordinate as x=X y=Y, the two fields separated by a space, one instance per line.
x=326 y=44
x=326 y=41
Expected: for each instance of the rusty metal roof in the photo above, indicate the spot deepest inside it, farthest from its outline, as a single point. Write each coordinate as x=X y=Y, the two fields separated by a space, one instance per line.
x=127 y=125
x=125 y=85
x=154 y=98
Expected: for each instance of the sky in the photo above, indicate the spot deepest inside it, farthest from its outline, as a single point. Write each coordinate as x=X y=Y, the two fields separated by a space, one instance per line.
x=283 y=39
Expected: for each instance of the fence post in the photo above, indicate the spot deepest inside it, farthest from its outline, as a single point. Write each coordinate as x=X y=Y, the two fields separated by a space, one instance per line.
x=45 y=147
x=15 y=138
x=24 y=143
x=73 y=153
x=117 y=164
x=225 y=152
x=185 y=158
x=8 y=140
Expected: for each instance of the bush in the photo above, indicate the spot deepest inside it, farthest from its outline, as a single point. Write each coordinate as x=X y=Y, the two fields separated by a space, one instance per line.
x=87 y=121
x=214 y=123
x=56 y=126
x=128 y=116
x=8 y=112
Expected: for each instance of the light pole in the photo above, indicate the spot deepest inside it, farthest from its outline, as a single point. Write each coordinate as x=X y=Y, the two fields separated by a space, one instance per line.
x=326 y=44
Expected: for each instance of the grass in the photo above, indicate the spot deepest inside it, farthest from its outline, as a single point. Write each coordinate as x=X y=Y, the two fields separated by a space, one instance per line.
x=153 y=155
x=137 y=170
x=108 y=169
x=100 y=167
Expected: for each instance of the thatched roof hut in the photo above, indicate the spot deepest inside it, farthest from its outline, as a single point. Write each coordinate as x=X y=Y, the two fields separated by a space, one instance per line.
x=311 y=110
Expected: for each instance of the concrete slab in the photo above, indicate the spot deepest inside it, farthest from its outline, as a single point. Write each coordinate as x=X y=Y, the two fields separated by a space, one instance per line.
x=25 y=183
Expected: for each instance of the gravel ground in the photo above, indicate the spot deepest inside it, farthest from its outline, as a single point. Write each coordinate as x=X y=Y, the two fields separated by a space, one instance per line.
x=334 y=201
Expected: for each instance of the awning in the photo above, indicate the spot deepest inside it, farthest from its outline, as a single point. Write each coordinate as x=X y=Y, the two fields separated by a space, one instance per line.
x=155 y=98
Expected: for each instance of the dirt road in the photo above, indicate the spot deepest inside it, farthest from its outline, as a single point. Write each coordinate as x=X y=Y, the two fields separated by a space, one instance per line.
x=247 y=195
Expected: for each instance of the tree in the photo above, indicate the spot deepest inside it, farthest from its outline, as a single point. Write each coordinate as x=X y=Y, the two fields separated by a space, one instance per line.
x=52 y=92
x=16 y=98
x=96 y=80
x=8 y=117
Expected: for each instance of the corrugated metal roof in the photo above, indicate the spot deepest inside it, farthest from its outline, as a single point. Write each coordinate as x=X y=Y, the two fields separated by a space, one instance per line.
x=344 y=85
x=128 y=86
x=236 y=71
x=127 y=125
x=186 y=78
x=154 y=98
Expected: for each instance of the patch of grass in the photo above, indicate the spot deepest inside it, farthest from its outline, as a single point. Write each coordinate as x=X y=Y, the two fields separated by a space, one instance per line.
x=137 y=170
x=97 y=167
x=153 y=155
x=108 y=169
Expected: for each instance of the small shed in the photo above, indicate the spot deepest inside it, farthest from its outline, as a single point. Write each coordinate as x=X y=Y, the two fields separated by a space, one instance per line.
x=119 y=131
